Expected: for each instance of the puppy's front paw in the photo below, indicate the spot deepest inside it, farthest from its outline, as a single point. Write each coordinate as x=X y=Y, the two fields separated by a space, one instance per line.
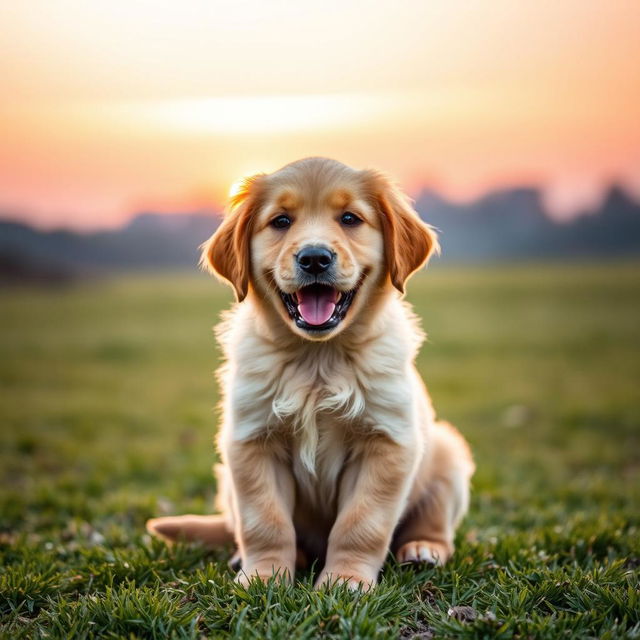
x=423 y=552
x=353 y=581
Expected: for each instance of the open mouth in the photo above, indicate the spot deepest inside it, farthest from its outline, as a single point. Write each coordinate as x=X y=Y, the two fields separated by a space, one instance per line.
x=318 y=307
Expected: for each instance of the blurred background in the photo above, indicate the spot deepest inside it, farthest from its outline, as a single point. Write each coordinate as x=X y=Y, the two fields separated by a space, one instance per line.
x=515 y=127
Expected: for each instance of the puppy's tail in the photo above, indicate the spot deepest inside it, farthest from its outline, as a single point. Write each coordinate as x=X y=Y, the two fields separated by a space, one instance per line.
x=212 y=531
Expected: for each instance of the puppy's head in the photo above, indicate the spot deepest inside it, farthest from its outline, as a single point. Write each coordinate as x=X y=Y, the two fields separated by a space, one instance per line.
x=316 y=241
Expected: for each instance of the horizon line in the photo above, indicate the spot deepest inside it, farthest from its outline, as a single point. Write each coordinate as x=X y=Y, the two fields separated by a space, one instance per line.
x=217 y=211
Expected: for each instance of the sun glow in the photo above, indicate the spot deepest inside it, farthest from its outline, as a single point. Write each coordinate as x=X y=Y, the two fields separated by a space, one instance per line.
x=259 y=114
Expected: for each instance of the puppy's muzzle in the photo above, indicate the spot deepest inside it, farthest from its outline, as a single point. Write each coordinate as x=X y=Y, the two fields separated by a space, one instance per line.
x=317 y=304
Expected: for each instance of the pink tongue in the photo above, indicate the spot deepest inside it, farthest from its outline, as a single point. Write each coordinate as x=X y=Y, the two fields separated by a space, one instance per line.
x=316 y=305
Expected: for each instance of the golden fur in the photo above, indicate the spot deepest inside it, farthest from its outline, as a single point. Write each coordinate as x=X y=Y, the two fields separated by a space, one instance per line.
x=329 y=442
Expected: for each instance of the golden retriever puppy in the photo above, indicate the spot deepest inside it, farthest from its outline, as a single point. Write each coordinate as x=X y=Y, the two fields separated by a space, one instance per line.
x=329 y=443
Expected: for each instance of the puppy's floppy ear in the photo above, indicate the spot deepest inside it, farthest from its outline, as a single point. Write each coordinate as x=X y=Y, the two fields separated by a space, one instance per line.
x=226 y=252
x=408 y=242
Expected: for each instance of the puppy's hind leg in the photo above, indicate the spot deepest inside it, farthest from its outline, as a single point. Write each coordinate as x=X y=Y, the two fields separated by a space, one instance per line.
x=426 y=532
x=212 y=531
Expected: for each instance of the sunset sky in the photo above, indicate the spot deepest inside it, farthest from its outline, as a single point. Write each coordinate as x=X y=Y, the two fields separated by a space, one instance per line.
x=108 y=108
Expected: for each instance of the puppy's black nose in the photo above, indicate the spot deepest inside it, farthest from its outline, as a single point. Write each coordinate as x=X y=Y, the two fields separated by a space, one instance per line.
x=315 y=260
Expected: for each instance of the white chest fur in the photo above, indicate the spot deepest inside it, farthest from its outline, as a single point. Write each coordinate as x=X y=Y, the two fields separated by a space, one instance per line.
x=319 y=393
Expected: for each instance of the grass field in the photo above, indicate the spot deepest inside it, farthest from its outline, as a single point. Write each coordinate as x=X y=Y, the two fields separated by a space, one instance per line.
x=107 y=417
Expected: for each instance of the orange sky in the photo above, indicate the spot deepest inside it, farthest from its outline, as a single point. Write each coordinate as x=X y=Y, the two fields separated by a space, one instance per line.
x=110 y=107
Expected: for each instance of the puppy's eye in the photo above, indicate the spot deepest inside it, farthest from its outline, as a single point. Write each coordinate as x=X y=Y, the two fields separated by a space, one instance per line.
x=281 y=222
x=350 y=219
